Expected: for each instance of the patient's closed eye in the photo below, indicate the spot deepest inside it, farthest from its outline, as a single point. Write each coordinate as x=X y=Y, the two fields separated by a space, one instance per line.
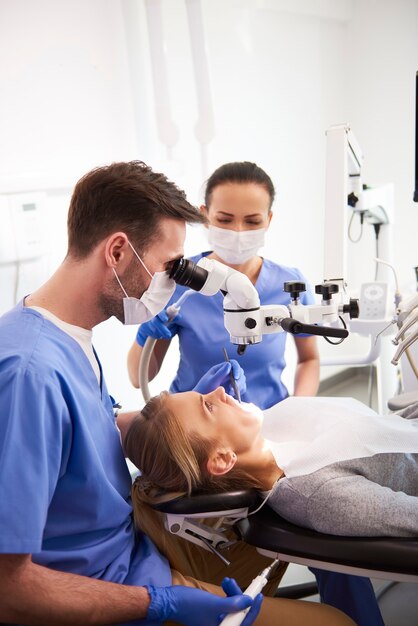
x=209 y=406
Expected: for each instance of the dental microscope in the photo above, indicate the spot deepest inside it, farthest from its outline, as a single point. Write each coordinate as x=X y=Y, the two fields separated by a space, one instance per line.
x=246 y=320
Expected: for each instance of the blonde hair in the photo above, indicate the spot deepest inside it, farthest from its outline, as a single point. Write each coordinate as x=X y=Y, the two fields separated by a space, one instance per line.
x=173 y=462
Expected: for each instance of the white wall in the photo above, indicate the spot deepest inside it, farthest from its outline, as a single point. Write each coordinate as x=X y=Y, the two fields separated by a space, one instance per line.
x=66 y=103
x=382 y=60
x=77 y=91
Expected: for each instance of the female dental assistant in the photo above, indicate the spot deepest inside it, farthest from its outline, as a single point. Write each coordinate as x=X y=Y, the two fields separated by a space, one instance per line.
x=238 y=201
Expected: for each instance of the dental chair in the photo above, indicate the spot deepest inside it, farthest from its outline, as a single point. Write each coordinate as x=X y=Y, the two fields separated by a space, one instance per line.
x=387 y=558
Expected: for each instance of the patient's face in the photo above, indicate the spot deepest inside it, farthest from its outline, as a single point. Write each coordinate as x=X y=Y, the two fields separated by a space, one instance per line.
x=218 y=416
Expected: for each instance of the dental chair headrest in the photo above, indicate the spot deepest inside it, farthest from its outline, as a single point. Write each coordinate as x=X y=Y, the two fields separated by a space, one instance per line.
x=210 y=502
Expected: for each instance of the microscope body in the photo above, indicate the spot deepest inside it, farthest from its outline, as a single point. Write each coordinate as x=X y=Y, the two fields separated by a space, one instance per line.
x=247 y=321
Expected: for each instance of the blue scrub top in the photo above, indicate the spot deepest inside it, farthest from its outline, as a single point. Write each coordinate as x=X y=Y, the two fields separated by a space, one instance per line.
x=202 y=336
x=64 y=483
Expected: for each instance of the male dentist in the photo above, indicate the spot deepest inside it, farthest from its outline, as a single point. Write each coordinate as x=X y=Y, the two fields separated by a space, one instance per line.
x=69 y=554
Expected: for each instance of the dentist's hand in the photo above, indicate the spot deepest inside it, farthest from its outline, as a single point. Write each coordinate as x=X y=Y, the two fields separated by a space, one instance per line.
x=231 y=588
x=156 y=328
x=219 y=376
x=184 y=604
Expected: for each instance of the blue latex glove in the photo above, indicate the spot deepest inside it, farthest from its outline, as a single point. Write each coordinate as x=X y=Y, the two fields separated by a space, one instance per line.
x=156 y=328
x=219 y=376
x=183 y=604
x=231 y=588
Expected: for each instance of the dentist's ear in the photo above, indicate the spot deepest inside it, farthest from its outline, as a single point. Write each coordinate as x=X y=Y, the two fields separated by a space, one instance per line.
x=221 y=462
x=116 y=248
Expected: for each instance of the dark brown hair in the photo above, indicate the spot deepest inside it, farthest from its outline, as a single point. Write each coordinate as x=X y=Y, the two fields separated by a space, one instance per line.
x=239 y=172
x=126 y=196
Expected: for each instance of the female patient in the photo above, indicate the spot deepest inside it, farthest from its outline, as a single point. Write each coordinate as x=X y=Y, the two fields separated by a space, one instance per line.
x=349 y=471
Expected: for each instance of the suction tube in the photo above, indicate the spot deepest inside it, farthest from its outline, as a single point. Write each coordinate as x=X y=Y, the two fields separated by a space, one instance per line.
x=149 y=345
x=146 y=354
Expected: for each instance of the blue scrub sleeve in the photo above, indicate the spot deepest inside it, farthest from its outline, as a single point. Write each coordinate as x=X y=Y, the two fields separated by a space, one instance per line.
x=33 y=424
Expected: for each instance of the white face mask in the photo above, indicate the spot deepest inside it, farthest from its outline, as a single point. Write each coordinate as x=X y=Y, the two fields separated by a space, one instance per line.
x=236 y=246
x=152 y=301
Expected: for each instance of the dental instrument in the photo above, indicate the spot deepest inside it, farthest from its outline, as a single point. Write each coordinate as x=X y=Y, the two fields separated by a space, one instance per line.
x=233 y=381
x=407 y=318
x=253 y=589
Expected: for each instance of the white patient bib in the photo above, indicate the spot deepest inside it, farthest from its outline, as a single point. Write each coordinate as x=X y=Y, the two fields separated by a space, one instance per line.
x=307 y=434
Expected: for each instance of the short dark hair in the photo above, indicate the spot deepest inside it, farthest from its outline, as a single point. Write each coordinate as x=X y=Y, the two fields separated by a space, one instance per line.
x=239 y=172
x=126 y=196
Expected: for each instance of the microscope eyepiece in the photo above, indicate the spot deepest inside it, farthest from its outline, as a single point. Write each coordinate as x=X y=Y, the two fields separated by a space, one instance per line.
x=185 y=272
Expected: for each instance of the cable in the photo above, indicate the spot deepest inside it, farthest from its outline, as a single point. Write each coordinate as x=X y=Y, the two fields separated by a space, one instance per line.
x=361 y=227
x=376 y=231
x=337 y=343
x=265 y=499
x=370 y=386
x=378 y=260
x=148 y=348
x=146 y=355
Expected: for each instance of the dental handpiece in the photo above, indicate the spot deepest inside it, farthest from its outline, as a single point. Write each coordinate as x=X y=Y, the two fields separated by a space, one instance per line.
x=253 y=589
x=231 y=376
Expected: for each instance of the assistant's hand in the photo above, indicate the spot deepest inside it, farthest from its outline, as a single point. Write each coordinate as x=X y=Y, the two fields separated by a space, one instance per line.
x=219 y=376
x=156 y=328
x=183 y=604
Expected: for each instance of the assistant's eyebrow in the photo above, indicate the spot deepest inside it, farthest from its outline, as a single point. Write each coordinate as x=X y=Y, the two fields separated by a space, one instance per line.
x=233 y=215
x=224 y=213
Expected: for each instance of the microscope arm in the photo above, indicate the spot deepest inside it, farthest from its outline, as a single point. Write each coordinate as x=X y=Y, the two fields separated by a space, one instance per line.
x=227 y=280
